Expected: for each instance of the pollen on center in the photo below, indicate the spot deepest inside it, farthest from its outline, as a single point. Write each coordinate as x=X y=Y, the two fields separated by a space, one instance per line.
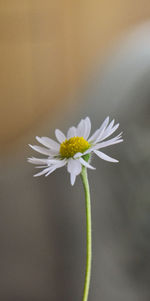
x=70 y=147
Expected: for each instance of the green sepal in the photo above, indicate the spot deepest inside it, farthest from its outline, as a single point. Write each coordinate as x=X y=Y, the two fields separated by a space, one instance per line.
x=86 y=157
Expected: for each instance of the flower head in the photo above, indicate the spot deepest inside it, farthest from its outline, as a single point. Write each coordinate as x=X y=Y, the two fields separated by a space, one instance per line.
x=75 y=148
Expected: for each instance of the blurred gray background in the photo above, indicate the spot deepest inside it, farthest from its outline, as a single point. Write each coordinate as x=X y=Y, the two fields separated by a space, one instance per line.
x=42 y=224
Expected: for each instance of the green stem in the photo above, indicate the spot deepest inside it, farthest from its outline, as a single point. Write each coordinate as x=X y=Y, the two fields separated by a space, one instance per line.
x=88 y=233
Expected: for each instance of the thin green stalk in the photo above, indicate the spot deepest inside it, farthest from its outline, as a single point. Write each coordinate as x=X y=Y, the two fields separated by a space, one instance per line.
x=88 y=233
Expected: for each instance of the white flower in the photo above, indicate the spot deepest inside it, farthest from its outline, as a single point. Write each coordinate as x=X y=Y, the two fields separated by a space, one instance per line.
x=74 y=148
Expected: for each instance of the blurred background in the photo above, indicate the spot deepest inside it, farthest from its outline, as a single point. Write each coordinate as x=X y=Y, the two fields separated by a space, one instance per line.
x=62 y=61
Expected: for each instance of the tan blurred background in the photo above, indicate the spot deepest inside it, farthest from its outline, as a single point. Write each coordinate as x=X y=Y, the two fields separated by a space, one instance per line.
x=47 y=50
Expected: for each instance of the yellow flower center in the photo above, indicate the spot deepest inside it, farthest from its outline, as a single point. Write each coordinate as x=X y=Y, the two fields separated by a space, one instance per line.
x=70 y=147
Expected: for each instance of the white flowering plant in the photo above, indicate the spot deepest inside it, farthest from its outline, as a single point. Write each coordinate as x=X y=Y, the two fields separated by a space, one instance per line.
x=74 y=150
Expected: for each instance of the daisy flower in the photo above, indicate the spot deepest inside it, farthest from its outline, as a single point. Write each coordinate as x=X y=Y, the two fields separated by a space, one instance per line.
x=75 y=149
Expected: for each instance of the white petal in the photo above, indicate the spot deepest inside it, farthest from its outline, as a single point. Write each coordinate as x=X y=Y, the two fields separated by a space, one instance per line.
x=86 y=164
x=48 y=142
x=55 y=166
x=37 y=161
x=108 y=132
x=88 y=151
x=74 y=166
x=105 y=157
x=43 y=161
x=51 y=169
x=119 y=136
x=103 y=129
x=41 y=166
x=110 y=126
x=72 y=178
x=107 y=143
x=41 y=150
x=88 y=127
x=105 y=123
x=44 y=171
x=77 y=155
x=100 y=131
x=61 y=163
x=95 y=135
x=60 y=136
x=72 y=132
x=81 y=128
